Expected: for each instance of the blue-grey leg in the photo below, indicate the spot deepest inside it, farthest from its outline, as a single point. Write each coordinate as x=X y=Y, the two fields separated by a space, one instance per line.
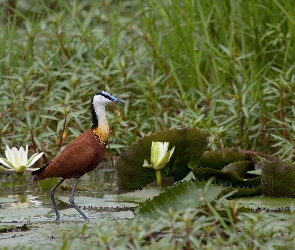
x=71 y=200
x=52 y=191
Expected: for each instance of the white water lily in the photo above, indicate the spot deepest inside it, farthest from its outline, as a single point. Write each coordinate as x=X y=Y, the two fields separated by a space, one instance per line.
x=160 y=156
x=17 y=160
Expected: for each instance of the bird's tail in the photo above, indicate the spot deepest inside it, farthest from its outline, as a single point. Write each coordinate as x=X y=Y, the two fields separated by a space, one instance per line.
x=39 y=171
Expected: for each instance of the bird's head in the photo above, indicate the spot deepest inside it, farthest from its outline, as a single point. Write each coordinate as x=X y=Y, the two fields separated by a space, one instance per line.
x=98 y=103
x=104 y=98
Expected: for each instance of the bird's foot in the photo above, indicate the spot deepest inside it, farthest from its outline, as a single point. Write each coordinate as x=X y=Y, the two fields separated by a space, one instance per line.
x=57 y=221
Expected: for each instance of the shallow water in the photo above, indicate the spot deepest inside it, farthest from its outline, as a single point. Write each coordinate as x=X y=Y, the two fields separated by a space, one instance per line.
x=17 y=192
x=26 y=208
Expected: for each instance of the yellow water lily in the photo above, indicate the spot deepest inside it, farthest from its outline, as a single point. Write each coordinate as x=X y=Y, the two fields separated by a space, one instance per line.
x=17 y=160
x=160 y=156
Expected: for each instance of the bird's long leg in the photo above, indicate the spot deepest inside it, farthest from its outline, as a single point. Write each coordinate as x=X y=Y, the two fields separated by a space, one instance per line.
x=71 y=199
x=52 y=191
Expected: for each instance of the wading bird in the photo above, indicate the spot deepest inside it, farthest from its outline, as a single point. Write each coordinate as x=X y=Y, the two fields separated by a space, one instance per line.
x=83 y=154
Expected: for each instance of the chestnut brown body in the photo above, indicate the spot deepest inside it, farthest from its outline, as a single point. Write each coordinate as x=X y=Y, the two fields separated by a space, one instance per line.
x=82 y=155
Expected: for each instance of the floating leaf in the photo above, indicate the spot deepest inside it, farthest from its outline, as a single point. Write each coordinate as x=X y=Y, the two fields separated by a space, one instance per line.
x=187 y=142
x=97 y=203
x=263 y=202
x=241 y=192
x=136 y=196
x=178 y=197
x=278 y=179
x=4 y=200
x=224 y=178
x=219 y=159
x=239 y=167
x=22 y=214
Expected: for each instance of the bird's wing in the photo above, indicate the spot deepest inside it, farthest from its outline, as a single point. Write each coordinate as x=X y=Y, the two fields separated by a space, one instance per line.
x=82 y=153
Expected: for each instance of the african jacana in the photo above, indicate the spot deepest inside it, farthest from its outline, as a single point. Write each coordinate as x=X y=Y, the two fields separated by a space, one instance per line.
x=83 y=154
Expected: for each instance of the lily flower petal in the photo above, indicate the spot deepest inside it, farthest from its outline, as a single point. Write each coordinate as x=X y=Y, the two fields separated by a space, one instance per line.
x=6 y=169
x=14 y=157
x=146 y=164
x=32 y=169
x=160 y=154
x=17 y=160
x=165 y=159
x=35 y=157
x=7 y=163
x=171 y=152
x=22 y=156
x=8 y=153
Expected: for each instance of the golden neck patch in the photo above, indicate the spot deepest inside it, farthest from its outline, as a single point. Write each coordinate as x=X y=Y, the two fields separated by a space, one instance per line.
x=100 y=134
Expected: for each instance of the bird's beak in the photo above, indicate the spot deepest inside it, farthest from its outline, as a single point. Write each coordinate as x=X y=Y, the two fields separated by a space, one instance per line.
x=119 y=100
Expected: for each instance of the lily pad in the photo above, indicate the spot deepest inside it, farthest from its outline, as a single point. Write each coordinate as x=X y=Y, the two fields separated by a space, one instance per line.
x=239 y=167
x=136 y=196
x=22 y=214
x=97 y=203
x=188 y=143
x=262 y=202
x=225 y=179
x=4 y=200
x=278 y=179
x=241 y=192
x=178 y=197
x=218 y=159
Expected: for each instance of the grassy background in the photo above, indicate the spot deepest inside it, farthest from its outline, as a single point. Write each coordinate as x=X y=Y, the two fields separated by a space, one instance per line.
x=223 y=66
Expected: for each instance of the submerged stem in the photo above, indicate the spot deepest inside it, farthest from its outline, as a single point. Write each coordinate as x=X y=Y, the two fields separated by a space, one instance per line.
x=159 y=178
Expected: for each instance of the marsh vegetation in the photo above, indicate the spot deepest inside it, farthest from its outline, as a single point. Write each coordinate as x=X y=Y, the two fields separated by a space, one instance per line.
x=224 y=67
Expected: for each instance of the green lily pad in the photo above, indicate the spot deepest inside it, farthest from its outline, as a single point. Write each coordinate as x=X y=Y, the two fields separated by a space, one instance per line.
x=188 y=143
x=178 y=197
x=278 y=179
x=98 y=203
x=21 y=214
x=239 y=167
x=225 y=179
x=241 y=192
x=263 y=202
x=218 y=159
x=136 y=196
x=4 y=200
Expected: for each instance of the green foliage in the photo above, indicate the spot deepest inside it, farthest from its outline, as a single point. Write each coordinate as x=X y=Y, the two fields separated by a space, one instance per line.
x=224 y=67
x=179 y=197
x=226 y=179
x=278 y=179
x=267 y=203
x=218 y=159
x=239 y=167
x=244 y=192
x=193 y=228
x=129 y=167
x=227 y=166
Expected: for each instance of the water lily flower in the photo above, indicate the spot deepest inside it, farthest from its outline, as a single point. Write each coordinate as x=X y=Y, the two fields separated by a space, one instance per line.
x=17 y=160
x=160 y=156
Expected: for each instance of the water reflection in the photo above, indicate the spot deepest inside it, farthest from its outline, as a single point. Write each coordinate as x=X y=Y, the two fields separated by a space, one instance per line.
x=23 y=201
x=29 y=194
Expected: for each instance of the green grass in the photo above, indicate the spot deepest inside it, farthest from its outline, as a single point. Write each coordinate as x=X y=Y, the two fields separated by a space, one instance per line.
x=223 y=66
x=226 y=67
x=210 y=65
